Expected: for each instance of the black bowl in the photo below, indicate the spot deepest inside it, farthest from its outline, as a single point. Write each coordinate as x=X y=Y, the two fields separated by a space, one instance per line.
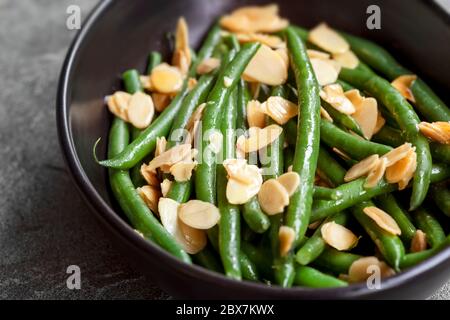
x=119 y=34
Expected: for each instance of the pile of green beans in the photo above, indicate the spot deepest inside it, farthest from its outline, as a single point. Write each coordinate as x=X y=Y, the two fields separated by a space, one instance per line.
x=245 y=243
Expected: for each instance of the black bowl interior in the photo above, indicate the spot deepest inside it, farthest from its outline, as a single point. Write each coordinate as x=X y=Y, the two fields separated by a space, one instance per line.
x=119 y=35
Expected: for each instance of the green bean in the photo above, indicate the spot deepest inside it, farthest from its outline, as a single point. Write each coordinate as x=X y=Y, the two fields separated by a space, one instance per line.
x=313 y=278
x=154 y=58
x=207 y=259
x=248 y=268
x=243 y=98
x=259 y=257
x=343 y=120
x=329 y=168
x=427 y=102
x=291 y=131
x=315 y=245
x=205 y=177
x=212 y=40
x=255 y=218
x=288 y=157
x=426 y=222
x=307 y=144
x=404 y=114
x=345 y=85
x=229 y=224
x=388 y=203
x=326 y=193
x=141 y=218
x=336 y=261
x=390 y=246
x=441 y=197
x=412 y=259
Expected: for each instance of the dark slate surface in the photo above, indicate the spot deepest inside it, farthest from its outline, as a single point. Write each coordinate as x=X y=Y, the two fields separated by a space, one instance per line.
x=44 y=224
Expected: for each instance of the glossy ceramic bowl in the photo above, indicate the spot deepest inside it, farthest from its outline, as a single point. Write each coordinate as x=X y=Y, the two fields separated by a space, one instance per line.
x=119 y=34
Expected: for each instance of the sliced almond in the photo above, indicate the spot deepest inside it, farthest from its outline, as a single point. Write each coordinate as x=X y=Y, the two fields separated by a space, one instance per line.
x=255 y=115
x=315 y=225
x=150 y=176
x=161 y=144
x=403 y=84
x=268 y=40
x=438 y=131
x=199 y=214
x=151 y=196
x=355 y=97
x=383 y=220
x=140 y=110
x=146 y=83
x=362 y=168
x=266 y=67
x=195 y=240
x=346 y=59
x=290 y=181
x=409 y=174
x=208 y=65
x=182 y=171
x=419 y=241
x=325 y=115
x=366 y=115
x=244 y=180
x=171 y=156
x=165 y=187
x=376 y=174
x=161 y=101
x=316 y=54
x=361 y=269
x=324 y=70
x=334 y=95
x=118 y=104
x=380 y=123
x=215 y=141
x=398 y=153
x=328 y=39
x=238 y=169
x=402 y=167
x=166 y=79
x=337 y=236
x=286 y=237
x=259 y=138
x=273 y=197
x=196 y=116
x=182 y=57
x=341 y=153
x=181 y=61
x=279 y=109
x=283 y=53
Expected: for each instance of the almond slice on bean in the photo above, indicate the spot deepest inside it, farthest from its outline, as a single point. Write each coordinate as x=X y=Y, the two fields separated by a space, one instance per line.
x=380 y=123
x=151 y=196
x=403 y=84
x=199 y=214
x=337 y=236
x=161 y=101
x=361 y=269
x=259 y=138
x=290 y=181
x=273 y=197
x=403 y=183
x=238 y=169
x=325 y=115
x=194 y=240
x=140 y=110
x=268 y=40
x=317 y=54
x=362 y=168
x=279 y=109
x=346 y=59
x=383 y=220
x=182 y=171
x=215 y=140
x=396 y=154
x=334 y=95
x=150 y=176
x=354 y=95
x=165 y=187
x=196 y=116
x=366 y=115
x=182 y=56
x=266 y=67
x=118 y=104
x=145 y=82
x=255 y=115
x=438 y=131
x=161 y=144
x=170 y=156
x=324 y=70
x=328 y=39
x=166 y=79
x=286 y=237
x=244 y=180
x=402 y=167
x=419 y=241
x=208 y=65
x=376 y=174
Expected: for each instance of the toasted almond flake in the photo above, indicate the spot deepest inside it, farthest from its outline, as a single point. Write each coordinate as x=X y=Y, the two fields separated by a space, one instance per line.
x=346 y=59
x=325 y=115
x=208 y=65
x=290 y=181
x=145 y=82
x=324 y=70
x=259 y=138
x=192 y=82
x=195 y=240
x=239 y=193
x=166 y=79
x=118 y=104
x=337 y=236
x=237 y=169
x=280 y=109
x=196 y=116
x=165 y=187
x=380 y=123
x=199 y=214
x=255 y=89
x=366 y=115
x=403 y=84
x=170 y=156
x=244 y=180
x=161 y=144
x=268 y=40
x=215 y=141
x=328 y=39
x=334 y=95
x=182 y=171
x=409 y=174
x=255 y=115
x=398 y=153
x=160 y=101
x=150 y=176
x=315 y=225
x=273 y=197
x=283 y=53
x=341 y=154
x=316 y=54
x=376 y=174
x=383 y=220
x=266 y=67
x=362 y=168
x=140 y=110
x=181 y=61
x=151 y=196
x=361 y=269
x=402 y=167
x=419 y=241
x=438 y=131
x=182 y=53
x=289 y=169
x=286 y=237
x=355 y=97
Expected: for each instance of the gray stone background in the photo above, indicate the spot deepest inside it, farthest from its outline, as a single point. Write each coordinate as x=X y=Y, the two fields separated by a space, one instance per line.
x=44 y=224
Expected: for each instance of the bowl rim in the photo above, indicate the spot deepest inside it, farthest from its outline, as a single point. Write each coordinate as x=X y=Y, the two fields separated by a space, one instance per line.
x=119 y=225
